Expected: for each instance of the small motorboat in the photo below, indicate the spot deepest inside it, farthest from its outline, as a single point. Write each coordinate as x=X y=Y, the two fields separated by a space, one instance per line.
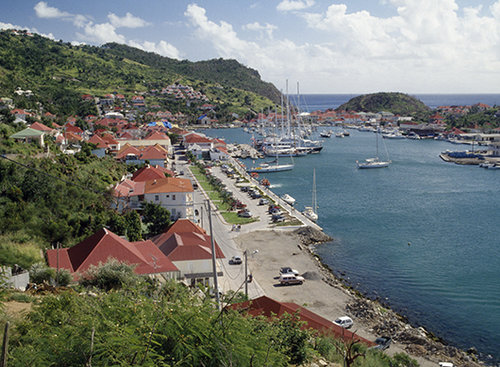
x=288 y=199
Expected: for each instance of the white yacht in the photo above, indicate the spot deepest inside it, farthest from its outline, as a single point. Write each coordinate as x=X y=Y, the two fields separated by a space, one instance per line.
x=288 y=199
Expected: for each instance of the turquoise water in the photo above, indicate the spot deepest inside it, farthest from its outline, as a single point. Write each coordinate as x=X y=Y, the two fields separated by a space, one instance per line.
x=448 y=278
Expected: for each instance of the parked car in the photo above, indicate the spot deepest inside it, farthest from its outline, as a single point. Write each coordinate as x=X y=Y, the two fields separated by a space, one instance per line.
x=235 y=260
x=274 y=210
x=446 y=364
x=288 y=279
x=277 y=218
x=263 y=201
x=382 y=343
x=344 y=321
x=245 y=214
x=288 y=270
x=256 y=195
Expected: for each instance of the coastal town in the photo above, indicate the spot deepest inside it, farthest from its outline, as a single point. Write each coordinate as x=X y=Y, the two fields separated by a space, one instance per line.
x=122 y=210
x=221 y=214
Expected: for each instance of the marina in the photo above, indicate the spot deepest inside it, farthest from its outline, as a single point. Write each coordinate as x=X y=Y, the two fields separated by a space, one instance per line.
x=451 y=267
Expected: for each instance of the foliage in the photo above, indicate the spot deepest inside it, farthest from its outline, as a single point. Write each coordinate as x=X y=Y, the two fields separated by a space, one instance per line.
x=156 y=218
x=397 y=103
x=59 y=73
x=111 y=275
x=173 y=327
x=14 y=251
x=34 y=194
x=19 y=297
x=475 y=118
x=134 y=227
x=41 y=273
x=63 y=277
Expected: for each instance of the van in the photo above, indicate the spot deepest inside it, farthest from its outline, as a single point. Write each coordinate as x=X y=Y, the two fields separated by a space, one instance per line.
x=287 y=279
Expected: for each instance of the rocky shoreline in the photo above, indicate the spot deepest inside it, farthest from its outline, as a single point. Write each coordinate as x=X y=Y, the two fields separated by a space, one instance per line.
x=382 y=320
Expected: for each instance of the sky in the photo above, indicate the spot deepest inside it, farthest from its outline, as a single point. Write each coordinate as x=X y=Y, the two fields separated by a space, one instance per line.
x=326 y=46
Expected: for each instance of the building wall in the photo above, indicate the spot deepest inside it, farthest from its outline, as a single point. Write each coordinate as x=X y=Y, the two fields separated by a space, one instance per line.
x=180 y=204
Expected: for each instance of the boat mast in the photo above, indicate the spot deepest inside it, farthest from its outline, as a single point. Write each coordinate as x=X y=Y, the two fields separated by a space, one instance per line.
x=314 y=203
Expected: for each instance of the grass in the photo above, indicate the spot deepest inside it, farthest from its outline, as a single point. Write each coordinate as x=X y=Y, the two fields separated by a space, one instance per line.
x=229 y=216
x=232 y=218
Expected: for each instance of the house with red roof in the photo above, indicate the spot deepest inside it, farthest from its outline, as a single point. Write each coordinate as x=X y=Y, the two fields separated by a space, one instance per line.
x=105 y=245
x=197 y=144
x=148 y=173
x=172 y=193
x=268 y=307
x=111 y=142
x=41 y=127
x=128 y=194
x=189 y=248
x=69 y=128
x=101 y=145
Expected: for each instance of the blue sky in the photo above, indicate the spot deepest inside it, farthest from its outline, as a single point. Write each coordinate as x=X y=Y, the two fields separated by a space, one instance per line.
x=355 y=46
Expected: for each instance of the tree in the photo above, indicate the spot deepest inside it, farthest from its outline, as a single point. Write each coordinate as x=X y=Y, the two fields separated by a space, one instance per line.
x=133 y=225
x=156 y=218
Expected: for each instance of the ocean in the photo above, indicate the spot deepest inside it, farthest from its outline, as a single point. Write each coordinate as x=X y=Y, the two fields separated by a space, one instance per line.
x=313 y=102
x=421 y=235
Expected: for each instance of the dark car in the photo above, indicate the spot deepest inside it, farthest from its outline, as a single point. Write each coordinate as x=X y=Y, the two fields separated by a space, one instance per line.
x=382 y=343
x=277 y=218
x=256 y=195
x=235 y=260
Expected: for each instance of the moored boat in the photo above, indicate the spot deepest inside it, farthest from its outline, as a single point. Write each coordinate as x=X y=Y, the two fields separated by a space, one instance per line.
x=288 y=199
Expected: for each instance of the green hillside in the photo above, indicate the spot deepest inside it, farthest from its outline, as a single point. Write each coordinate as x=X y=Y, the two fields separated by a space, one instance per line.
x=397 y=103
x=58 y=73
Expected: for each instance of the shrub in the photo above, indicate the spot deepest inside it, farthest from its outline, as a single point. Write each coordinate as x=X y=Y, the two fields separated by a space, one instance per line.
x=40 y=273
x=63 y=277
x=111 y=275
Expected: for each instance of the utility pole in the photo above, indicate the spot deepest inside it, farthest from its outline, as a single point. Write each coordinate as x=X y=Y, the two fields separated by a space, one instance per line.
x=214 y=265
x=246 y=273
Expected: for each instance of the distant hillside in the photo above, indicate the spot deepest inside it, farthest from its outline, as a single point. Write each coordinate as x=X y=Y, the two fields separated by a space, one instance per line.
x=397 y=103
x=224 y=72
x=58 y=73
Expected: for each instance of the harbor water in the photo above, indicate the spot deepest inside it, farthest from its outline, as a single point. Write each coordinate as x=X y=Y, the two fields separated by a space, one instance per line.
x=421 y=235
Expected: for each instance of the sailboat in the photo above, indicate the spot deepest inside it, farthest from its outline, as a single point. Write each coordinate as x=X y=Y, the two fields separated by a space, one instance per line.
x=274 y=165
x=374 y=162
x=311 y=212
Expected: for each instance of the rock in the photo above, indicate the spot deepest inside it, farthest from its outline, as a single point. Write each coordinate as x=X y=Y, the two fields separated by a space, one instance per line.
x=310 y=235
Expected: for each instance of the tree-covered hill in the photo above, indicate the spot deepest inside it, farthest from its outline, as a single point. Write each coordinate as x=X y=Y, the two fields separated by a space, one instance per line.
x=59 y=73
x=397 y=103
x=224 y=72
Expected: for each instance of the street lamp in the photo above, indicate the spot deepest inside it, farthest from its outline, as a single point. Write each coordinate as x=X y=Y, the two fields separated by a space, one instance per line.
x=246 y=270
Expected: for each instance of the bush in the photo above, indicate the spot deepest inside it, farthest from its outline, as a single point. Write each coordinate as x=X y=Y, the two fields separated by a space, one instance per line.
x=20 y=297
x=40 y=273
x=111 y=275
x=63 y=277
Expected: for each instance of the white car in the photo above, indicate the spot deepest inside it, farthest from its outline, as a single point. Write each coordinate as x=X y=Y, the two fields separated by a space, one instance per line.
x=287 y=279
x=446 y=364
x=344 y=321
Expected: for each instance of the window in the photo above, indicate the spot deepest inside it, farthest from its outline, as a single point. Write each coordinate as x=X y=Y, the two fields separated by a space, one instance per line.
x=157 y=197
x=173 y=197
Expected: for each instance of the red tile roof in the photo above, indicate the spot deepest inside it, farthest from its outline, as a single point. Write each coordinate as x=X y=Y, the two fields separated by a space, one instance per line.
x=104 y=245
x=168 y=184
x=195 y=138
x=128 y=188
x=73 y=129
x=148 y=173
x=40 y=127
x=126 y=150
x=95 y=139
x=153 y=152
x=156 y=135
x=184 y=240
x=269 y=307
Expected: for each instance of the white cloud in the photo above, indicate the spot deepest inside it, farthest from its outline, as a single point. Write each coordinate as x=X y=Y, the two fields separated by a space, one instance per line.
x=128 y=21
x=101 y=33
x=267 y=29
x=426 y=46
x=162 y=48
x=290 y=5
x=44 y=11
